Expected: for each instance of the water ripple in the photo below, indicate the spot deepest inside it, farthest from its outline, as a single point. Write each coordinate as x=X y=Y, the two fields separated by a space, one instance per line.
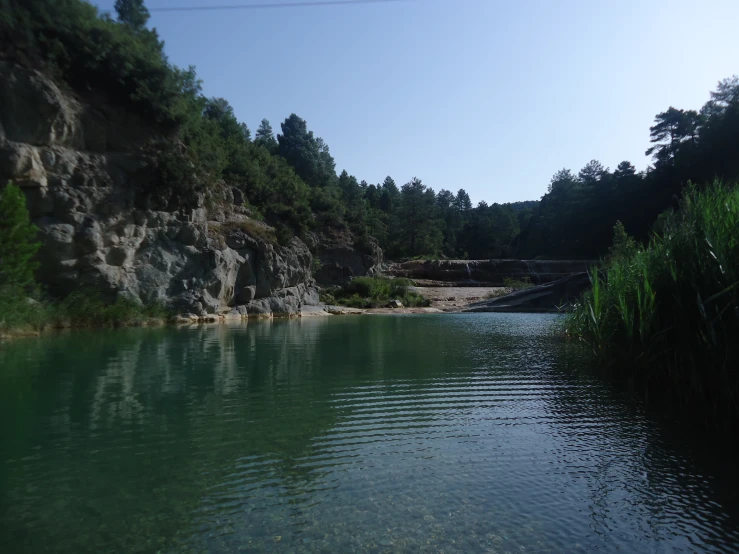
x=382 y=434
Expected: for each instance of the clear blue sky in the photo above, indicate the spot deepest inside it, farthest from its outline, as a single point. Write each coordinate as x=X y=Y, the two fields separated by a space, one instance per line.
x=486 y=95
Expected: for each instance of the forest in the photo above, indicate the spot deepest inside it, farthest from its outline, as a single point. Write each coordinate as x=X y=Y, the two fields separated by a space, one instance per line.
x=290 y=179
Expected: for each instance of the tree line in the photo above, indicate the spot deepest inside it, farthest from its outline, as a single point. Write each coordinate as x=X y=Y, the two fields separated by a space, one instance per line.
x=290 y=179
x=575 y=218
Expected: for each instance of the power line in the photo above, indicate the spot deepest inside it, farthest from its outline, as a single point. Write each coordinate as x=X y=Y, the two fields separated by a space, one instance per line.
x=309 y=4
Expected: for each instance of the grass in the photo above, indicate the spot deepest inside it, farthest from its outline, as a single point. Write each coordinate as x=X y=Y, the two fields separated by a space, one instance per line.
x=251 y=227
x=374 y=292
x=21 y=315
x=666 y=316
x=517 y=284
x=497 y=293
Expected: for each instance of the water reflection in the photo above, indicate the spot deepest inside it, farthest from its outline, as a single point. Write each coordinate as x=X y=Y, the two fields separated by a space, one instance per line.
x=457 y=433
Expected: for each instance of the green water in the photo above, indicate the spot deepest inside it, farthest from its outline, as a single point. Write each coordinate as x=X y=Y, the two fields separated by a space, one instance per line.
x=457 y=433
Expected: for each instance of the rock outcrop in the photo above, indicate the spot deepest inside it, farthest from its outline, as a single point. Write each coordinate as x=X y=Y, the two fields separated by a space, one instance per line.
x=489 y=272
x=88 y=187
x=551 y=297
x=340 y=260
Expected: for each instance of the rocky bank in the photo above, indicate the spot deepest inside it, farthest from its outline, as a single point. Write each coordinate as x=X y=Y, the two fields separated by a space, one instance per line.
x=92 y=191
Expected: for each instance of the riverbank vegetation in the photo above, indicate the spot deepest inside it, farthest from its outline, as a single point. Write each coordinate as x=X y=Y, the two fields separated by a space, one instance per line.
x=23 y=307
x=374 y=292
x=666 y=315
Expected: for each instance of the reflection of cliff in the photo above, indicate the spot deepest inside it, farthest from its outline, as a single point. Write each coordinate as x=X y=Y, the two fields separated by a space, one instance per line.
x=204 y=439
x=132 y=423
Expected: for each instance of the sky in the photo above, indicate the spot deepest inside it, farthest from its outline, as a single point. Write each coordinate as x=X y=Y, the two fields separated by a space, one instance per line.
x=486 y=95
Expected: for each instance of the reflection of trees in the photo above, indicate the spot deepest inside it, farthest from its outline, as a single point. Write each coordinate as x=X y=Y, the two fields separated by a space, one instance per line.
x=141 y=436
x=138 y=424
x=616 y=451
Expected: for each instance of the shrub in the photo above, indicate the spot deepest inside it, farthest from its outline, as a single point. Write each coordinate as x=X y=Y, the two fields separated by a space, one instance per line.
x=85 y=308
x=18 y=243
x=375 y=292
x=18 y=313
x=518 y=284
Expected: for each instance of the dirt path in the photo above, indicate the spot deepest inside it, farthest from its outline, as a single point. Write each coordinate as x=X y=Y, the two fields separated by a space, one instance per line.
x=455 y=298
x=445 y=299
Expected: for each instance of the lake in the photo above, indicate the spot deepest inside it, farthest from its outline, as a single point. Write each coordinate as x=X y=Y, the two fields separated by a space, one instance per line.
x=453 y=433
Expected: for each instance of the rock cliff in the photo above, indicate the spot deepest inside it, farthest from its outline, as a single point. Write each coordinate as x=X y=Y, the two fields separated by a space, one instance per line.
x=91 y=190
x=340 y=259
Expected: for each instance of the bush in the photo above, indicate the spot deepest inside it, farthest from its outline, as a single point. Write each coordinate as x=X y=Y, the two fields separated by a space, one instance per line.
x=376 y=292
x=85 y=308
x=18 y=313
x=18 y=243
x=667 y=316
x=518 y=284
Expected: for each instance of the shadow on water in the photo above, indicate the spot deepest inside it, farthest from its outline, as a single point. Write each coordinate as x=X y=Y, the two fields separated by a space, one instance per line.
x=404 y=433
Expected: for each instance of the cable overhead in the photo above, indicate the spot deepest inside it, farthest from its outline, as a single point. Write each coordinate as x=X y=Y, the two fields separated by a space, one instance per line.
x=309 y=4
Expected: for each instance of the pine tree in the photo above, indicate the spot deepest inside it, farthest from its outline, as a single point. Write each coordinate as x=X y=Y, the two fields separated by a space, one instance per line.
x=133 y=13
x=17 y=239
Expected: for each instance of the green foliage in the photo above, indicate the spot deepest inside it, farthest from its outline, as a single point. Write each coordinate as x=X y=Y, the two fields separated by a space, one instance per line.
x=292 y=180
x=19 y=314
x=517 y=284
x=89 y=309
x=375 y=292
x=18 y=243
x=667 y=315
x=576 y=217
x=266 y=137
x=84 y=308
x=133 y=13
x=71 y=40
x=309 y=156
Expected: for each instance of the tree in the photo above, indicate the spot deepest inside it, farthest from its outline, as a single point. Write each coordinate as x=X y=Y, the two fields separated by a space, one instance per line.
x=624 y=170
x=592 y=173
x=132 y=13
x=220 y=111
x=671 y=128
x=309 y=156
x=420 y=232
x=390 y=195
x=561 y=181
x=266 y=137
x=17 y=239
x=462 y=201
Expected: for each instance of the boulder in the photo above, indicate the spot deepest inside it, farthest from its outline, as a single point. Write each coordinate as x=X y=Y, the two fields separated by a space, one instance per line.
x=394 y=304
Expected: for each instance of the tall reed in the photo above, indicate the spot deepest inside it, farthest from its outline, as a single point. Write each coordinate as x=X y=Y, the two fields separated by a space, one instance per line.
x=667 y=315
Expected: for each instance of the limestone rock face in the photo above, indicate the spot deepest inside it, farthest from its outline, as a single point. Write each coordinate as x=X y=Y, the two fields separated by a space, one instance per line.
x=341 y=262
x=85 y=179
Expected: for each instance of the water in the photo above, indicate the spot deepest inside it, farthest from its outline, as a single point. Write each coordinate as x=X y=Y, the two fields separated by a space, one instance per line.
x=458 y=433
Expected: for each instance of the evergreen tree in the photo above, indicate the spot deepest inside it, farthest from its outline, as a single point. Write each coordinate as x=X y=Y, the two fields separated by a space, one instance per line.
x=266 y=137
x=133 y=13
x=462 y=201
x=419 y=232
x=17 y=239
x=308 y=155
